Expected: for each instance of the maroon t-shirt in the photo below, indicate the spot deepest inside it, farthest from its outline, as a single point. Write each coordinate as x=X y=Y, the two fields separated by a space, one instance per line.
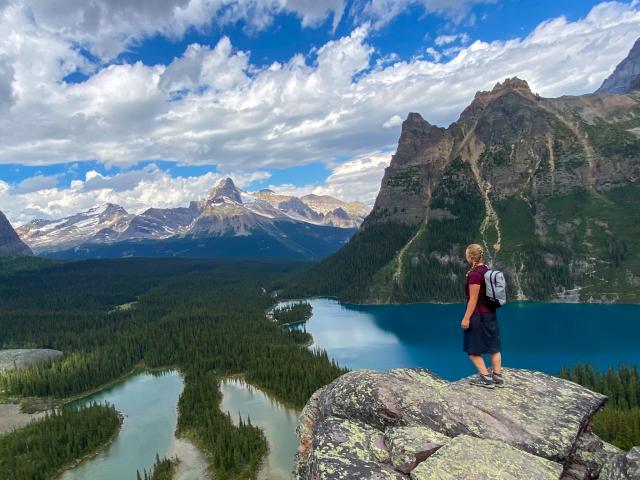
x=476 y=277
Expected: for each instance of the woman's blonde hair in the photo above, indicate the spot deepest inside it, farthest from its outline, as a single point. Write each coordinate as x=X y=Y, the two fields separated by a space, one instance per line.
x=476 y=253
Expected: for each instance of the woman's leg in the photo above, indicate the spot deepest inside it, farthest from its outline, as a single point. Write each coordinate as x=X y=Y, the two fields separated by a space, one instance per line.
x=496 y=362
x=478 y=361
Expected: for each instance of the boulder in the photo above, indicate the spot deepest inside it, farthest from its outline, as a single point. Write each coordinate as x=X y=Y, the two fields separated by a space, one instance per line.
x=408 y=446
x=472 y=458
x=621 y=466
x=410 y=423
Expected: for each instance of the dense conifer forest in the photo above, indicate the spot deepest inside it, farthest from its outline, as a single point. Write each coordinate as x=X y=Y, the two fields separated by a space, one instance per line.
x=206 y=318
x=162 y=469
x=42 y=448
x=619 y=422
x=292 y=313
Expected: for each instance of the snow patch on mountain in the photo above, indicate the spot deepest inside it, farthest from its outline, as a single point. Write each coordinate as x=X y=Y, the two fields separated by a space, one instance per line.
x=227 y=211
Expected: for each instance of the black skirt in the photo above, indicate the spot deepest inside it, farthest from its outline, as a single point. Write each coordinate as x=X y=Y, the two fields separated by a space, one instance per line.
x=483 y=334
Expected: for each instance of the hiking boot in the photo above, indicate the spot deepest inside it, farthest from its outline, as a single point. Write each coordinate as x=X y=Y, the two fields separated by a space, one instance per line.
x=498 y=379
x=485 y=381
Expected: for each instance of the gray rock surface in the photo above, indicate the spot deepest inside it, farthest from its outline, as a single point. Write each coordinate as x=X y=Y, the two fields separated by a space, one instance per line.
x=21 y=357
x=10 y=242
x=626 y=77
x=409 y=423
x=408 y=446
x=474 y=458
x=621 y=466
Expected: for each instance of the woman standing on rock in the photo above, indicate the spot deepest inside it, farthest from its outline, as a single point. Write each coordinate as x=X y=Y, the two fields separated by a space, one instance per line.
x=480 y=324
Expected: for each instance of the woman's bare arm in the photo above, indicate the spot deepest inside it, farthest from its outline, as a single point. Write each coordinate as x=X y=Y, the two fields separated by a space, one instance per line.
x=474 y=291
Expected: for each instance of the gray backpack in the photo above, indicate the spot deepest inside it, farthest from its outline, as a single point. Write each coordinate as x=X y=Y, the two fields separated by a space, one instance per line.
x=496 y=288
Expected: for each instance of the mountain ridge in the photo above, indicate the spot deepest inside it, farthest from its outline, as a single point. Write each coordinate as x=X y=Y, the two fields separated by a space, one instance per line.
x=547 y=185
x=626 y=76
x=226 y=211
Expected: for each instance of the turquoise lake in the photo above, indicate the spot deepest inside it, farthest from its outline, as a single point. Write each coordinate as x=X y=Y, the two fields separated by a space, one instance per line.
x=540 y=336
x=276 y=421
x=148 y=403
x=543 y=337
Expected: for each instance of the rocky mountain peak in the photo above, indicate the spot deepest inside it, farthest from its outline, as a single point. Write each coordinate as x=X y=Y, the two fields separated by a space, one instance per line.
x=626 y=77
x=105 y=209
x=514 y=83
x=415 y=118
x=225 y=188
x=114 y=209
x=510 y=85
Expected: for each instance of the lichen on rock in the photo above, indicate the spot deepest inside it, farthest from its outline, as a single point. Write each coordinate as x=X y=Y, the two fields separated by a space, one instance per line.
x=408 y=446
x=473 y=458
x=410 y=423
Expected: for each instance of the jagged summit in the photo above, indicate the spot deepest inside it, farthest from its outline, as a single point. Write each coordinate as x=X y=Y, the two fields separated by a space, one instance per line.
x=626 y=77
x=502 y=175
x=225 y=188
x=513 y=83
x=227 y=211
x=107 y=209
x=510 y=85
x=415 y=117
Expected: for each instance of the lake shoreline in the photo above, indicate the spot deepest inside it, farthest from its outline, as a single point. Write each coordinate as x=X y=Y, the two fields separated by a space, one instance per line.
x=85 y=458
x=398 y=304
x=134 y=396
x=543 y=336
x=276 y=420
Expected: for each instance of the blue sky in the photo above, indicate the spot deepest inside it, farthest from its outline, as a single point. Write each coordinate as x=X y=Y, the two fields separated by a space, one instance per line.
x=117 y=103
x=408 y=35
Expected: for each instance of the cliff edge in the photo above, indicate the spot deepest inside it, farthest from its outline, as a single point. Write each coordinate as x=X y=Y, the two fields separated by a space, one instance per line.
x=411 y=424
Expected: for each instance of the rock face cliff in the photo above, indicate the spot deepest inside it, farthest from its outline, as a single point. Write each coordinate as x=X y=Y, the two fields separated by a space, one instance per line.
x=10 y=243
x=547 y=185
x=411 y=424
x=626 y=77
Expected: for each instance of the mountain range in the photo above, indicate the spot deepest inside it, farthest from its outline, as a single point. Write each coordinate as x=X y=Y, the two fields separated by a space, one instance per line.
x=549 y=186
x=229 y=221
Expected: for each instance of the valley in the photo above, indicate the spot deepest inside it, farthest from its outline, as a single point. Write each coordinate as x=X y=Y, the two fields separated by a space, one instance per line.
x=205 y=318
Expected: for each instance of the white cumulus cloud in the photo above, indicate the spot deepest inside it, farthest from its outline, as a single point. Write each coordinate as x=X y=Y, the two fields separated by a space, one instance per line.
x=212 y=106
x=135 y=190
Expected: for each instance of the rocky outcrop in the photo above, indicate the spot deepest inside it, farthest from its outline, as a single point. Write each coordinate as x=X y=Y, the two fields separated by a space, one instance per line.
x=22 y=357
x=10 y=242
x=544 y=184
x=411 y=424
x=626 y=77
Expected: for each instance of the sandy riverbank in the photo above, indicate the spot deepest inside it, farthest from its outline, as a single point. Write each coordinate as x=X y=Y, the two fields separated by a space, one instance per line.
x=11 y=417
x=192 y=462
